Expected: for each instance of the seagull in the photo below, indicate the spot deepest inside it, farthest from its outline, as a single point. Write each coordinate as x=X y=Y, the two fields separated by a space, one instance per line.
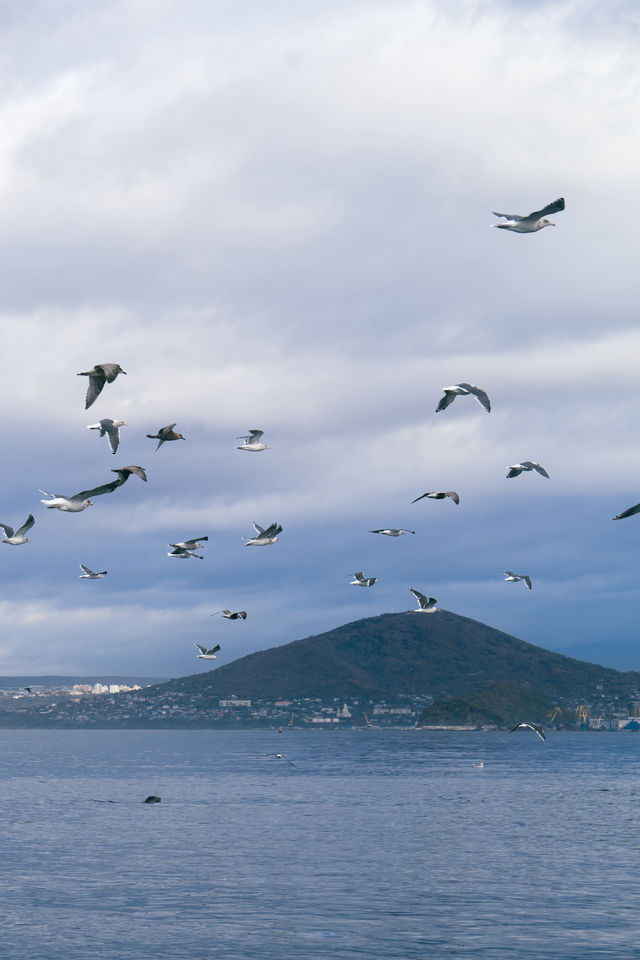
x=536 y=727
x=79 y=501
x=517 y=468
x=207 y=654
x=359 y=580
x=102 y=373
x=392 y=532
x=439 y=495
x=628 y=513
x=15 y=538
x=280 y=756
x=190 y=544
x=183 y=553
x=112 y=430
x=514 y=577
x=164 y=434
x=252 y=442
x=426 y=604
x=125 y=472
x=228 y=615
x=462 y=390
x=90 y=575
x=479 y=765
x=263 y=536
x=532 y=222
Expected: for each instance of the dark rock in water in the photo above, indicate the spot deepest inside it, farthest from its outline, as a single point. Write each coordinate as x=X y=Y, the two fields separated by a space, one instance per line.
x=152 y=799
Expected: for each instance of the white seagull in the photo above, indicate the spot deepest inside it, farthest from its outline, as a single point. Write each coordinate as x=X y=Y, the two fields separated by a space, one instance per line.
x=112 y=430
x=183 y=553
x=281 y=756
x=359 y=580
x=536 y=727
x=463 y=390
x=392 y=531
x=630 y=512
x=190 y=544
x=532 y=222
x=514 y=577
x=518 y=468
x=102 y=373
x=439 y=495
x=252 y=442
x=207 y=654
x=264 y=535
x=15 y=538
x=426 y=604
x=89 y=574
x=228 y=615
x=79 y=501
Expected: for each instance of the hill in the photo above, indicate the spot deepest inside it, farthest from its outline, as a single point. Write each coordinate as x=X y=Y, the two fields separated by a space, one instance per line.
x=441 y=654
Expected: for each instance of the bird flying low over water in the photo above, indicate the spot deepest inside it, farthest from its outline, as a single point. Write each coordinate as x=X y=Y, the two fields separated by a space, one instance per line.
x=164 y=434
x=359 y=580
x=532 y=221
x=281 y=756
x=125 y=472
x=463 y=390
x=112 y=430
x=79 y=501
x=517 y=576
x=90 y=575
x=252 y=442
x=439 y=495
x=518 y=468
x=536 y=727
x=628 y=513
x=392 y=531
x=17 y=537
x=207 y=654
x=228 y=615
x=102 y=373
x=264 y=535
x=426 y=604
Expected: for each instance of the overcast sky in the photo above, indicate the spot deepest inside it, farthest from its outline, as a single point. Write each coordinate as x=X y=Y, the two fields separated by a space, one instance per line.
x=277 y=216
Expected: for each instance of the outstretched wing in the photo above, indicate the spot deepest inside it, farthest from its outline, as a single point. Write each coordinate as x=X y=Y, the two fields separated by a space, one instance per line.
x=480 y=395
x=508 y=216
x=200 y=647
x=96 y=491
x=258 y=529
x=445 y=401
x=527 y=580
x=113 y=434
x=619 y=516
x=96 y=382
x=422 y=599
x=454 y=496
x=8 y=531
x=554 y=207
x=125 y=472
x=272 y=530
x=87 y=570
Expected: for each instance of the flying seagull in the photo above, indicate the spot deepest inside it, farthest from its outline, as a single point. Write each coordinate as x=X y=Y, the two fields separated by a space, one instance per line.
x=628 y=513
x=228 y=615
x=359 y=580
x=112 y=430
x=190 y=544
x=536 y=727
x=164 y=434
x=463 y=390
x=263 y=536
x=439 y=495
x=90 y=575
x=518 y=468
x=514 y=577
x=252 y=442
x=280 y=756
x=392 y=531
x=102 y=373
x=16 y=537
x=207 y=654
x=183 y=553
x=426 y=604
x=125 y=472
x=532 y=222
x=79 y=501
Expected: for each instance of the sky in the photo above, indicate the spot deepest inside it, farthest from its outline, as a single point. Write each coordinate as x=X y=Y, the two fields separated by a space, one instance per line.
x=277 y=217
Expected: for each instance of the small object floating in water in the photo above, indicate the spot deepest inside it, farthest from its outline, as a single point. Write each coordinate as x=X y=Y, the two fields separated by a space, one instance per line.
x=479 y=765
x=525 y=725
x=152 y=799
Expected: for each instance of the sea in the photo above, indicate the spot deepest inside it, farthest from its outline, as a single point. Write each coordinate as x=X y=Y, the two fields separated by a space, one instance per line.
x=373 y=844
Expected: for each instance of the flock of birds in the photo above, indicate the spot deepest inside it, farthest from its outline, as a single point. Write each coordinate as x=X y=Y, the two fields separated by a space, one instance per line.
x=106 y=373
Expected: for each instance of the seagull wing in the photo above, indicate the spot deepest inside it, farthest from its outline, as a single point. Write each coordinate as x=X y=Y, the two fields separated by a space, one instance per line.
x=454 y=496
x=479 y=394
x=8 y=531
x=214 y=649
x=29 y=522
x=359 y=575
x=527 y=580
x=272 y=530
x=508 y=216
x=200 y=647
x=553 y=207
x=422 y=599
x=255 y=435
x=87 y=570
x=95 y=491
x=445 y=401
x=109 y=370
x=541 y=470
x=625 y=513
x=125 y=472
x=97 y=381
x=422 y=495
x=514 y=471
x=258 y=529
x=113 y=434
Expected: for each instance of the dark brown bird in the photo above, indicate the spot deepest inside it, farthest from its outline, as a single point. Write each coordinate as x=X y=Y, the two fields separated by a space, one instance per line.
x=125 y=472
x=102 y=373
x=164 y=434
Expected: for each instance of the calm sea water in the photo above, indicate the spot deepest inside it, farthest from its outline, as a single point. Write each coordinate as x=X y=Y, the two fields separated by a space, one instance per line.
x=376 y=845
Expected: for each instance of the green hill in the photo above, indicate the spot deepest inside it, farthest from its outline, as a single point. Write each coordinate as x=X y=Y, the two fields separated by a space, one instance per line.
x=441 y=654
